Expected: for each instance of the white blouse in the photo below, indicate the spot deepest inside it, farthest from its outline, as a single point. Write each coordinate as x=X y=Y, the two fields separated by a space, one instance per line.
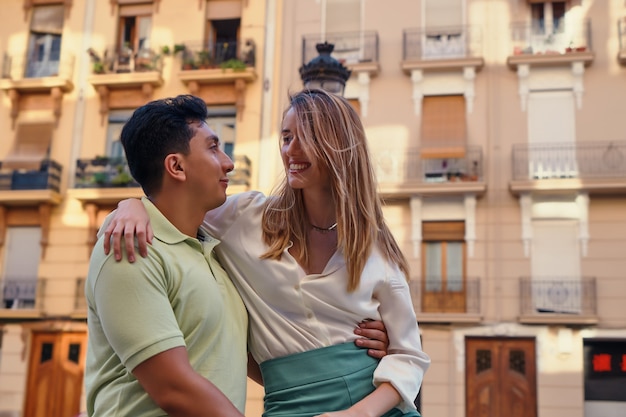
x=291 y=311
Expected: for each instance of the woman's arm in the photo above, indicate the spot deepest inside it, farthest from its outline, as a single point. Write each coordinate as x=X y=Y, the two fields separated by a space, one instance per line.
x=383 y=399
x=131 y=222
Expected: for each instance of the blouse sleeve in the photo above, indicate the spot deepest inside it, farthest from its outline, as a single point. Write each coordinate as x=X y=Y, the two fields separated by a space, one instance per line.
x=219 y=220
x=405 y=364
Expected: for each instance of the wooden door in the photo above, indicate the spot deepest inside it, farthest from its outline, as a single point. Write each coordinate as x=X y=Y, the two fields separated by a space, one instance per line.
x=55 y=376
x=500 y=377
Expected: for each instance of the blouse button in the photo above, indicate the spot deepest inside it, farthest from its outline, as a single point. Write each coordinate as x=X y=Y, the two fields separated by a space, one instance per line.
x=309 y=315
x=296 y=287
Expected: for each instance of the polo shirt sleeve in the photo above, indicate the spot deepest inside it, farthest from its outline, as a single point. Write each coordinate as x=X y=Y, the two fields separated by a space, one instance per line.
x=405 y=364
x=134 y=310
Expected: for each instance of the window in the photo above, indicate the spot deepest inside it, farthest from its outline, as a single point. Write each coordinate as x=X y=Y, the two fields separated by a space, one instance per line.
x=31 y=146
x=547 y=18
x=343 y=16
x=44 y=44
x=547 y=27
x=223 y=26
x=135 y=27
x=443 y=267
x=443 y=133
x=555 y=284
x=443 y=13
x=117 y=119
x=552 y=135
x=222 y=121
x=23 y=251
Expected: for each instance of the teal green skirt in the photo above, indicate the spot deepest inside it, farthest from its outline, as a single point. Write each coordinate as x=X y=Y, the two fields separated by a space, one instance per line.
x=318 y=381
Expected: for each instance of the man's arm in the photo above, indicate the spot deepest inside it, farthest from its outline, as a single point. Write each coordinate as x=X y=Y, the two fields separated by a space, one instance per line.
x=174 y=386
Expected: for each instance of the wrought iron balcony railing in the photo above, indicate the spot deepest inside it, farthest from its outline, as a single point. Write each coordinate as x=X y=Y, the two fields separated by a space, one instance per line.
x=561 y=296
x=584 y=160
x=455 y=295
x=23 y=293
x=124 y=60
x=20 y=66
x=350 y=47
x=538 y=39
x=400 y=166
x=241 y=174
x=103 y=172
x=46 y=177
x=225 y=55
x=113 y=172
x=442 y=43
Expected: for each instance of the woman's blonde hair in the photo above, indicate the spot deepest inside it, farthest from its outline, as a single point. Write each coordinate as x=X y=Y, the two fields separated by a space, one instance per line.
x=330 y=131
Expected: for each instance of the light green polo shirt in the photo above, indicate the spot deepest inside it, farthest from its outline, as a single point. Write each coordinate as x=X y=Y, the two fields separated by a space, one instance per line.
x=178 y=296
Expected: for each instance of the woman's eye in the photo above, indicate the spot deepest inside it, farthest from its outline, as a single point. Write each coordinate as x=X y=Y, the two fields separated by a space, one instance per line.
x=287 y=139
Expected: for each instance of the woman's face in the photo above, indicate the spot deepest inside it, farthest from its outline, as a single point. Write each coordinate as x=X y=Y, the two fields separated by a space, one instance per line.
x=302 y=171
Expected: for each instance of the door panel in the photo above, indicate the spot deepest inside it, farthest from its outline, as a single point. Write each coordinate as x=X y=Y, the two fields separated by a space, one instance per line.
x=501 y=377
x=55 y=375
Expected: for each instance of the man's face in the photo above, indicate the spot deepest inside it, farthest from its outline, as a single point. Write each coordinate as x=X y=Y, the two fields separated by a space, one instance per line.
x=207 y=167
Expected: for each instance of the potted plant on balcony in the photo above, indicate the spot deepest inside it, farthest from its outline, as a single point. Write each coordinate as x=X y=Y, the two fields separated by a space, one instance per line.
x=204 y=59
x=234 y=64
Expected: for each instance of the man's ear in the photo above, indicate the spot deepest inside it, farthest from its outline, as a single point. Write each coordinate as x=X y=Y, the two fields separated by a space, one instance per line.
x=174 y=166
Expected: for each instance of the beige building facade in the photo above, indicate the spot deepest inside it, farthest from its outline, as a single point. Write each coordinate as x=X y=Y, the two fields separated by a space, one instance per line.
x=495 y=130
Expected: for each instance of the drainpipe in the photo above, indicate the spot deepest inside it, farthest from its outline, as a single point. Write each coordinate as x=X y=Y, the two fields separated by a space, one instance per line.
x=268 y=146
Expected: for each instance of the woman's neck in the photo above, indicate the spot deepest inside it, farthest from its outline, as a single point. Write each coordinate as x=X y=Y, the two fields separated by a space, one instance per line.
x=320 y=209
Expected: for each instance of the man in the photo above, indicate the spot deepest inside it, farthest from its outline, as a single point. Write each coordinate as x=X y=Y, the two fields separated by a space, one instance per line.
x=167 y=334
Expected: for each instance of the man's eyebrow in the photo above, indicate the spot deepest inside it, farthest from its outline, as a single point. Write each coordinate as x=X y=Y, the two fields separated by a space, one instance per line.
x=213 y=138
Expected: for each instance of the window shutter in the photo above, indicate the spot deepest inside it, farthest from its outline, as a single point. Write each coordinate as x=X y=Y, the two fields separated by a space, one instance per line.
x=443 y=231
x=443 y=127
x=31 y=146
x=144 y=9
x=47 y=19
x=223 y=9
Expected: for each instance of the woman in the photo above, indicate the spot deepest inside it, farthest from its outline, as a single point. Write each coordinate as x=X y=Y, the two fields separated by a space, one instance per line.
x=312 y=260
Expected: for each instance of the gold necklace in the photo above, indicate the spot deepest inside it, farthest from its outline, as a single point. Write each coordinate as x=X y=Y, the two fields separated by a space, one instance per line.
x=324 y=230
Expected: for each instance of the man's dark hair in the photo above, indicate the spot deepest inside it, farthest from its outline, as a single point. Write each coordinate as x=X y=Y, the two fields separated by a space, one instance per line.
x=157 y=129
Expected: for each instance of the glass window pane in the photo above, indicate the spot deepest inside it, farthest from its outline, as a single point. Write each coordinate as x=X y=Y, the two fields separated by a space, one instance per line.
x=20 y=272
x=433 y=266
x=145 y=27
x=454 y=266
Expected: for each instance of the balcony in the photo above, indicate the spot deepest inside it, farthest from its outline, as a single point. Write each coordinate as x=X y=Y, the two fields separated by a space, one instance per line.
x=218 y=72
x=565 y=45
x=594 y=167
x=621 y=30
x=125 y=60
x=558 y=301
x=103 y=172
x=101 y=182
x=442 y=48
x=36 y=85
x=125 y=78
x=22 y=298
x=456 y=301
x=239 y=178
x=403 y=173
x=27 y=186
x=358 y=51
